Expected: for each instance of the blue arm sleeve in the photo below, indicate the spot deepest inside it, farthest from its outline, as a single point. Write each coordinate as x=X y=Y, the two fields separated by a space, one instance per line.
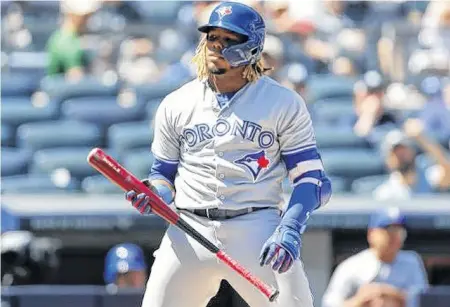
x=304 y=200
x=312 y=188
x=163 y=170
x=166 y=171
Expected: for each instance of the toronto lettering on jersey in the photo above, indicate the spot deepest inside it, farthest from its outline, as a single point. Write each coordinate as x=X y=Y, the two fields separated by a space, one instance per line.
x=246 y=129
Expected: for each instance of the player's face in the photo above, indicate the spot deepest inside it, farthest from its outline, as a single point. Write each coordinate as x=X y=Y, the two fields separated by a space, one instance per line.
x=387 y=240
x=133 y=279
x=216 y=40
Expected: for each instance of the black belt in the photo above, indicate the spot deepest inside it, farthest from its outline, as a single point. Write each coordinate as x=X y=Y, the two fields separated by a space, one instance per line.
x=223 y=214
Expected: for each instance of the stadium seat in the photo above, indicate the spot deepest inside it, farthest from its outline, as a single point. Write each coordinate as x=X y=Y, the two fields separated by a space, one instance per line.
x=329 y=86
x=20 y=110
x=14 y=161
x=157 y=90
x=63 y=162
x=333 y=114
x=98 y=184
x=39 y=183
x=18 y=84
x=366 y=185
x=59 y=89
x=328 y=137
x=127 y=136
x=103 y=111
x=159 y=12
x=8 y=134
x=152 y=107
x=352 y=163
x=61 y=133
x=139 y=162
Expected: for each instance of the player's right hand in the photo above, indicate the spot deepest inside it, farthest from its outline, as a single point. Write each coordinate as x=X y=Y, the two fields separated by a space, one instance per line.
x=140 y=201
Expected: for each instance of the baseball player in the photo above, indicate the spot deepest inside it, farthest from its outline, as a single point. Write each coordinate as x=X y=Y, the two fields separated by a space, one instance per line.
x=223 y=144
x=383 y=275
x=125 y=266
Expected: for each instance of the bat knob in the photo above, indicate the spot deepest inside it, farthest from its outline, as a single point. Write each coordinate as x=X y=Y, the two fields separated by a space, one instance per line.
x=274 y=295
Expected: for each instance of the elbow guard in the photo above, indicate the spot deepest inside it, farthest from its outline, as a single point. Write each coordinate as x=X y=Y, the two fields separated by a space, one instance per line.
x=311 y=191
x=322 y=183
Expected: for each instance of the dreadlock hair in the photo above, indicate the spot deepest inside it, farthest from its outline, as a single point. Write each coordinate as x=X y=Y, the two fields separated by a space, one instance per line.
x=252 y=72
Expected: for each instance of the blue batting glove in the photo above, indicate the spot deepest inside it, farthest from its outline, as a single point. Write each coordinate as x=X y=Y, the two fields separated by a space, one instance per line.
x=140 y=201
x=283 y=247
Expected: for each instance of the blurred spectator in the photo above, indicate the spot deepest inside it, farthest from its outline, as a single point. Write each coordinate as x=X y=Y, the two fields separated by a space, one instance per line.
x=273 y=54
x=373 y=119
x=344 y=66
x=27 y=259
x=65 y=50
x=125 y=266
x=407 y=176
x=381 y=275
x=295 y=76
x=436 y=25
x=15 y=35
x=136 y=64
x=436 y=112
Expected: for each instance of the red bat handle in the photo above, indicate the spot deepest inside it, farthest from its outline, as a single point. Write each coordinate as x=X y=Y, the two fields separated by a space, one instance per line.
x=115 y=172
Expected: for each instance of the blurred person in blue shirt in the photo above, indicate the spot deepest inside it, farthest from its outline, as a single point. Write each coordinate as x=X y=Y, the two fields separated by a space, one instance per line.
x=125 y=266
x=383 y=274
x=436 y=113
x=408 y=176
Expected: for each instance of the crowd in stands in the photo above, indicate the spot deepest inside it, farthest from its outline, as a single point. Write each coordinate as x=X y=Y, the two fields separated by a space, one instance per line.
x=79 y=74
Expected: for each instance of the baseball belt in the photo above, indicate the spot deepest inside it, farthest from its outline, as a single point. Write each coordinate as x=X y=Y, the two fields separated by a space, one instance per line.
x=223 y=214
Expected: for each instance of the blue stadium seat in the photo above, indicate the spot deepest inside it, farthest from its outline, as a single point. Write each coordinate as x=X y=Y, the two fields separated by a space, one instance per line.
x=328 y=137
x=366 y=185
x=152 y=107
x=20 y=110
x=158 y=12
x=39 y=183
x=59 y=89
x=333 y=114
x=329 y=86
x=8 y=135
x=352 y=163
x=14 y=161
x=99 y=184
x=61 y=160
x=157 y=90
x=61 y=133
x=103 y=111
x=126 y=136
x=18 y=84
x=139 y=162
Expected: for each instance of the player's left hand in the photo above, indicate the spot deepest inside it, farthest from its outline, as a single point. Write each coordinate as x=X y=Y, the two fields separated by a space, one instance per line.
x=283 y=248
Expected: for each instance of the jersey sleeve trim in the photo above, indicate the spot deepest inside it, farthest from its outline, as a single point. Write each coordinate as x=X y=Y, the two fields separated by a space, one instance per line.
x=169 y=161
x=298 y=149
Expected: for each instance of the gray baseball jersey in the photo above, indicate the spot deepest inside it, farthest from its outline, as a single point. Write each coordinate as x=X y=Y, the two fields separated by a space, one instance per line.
x=230 y=157
x=406 y=273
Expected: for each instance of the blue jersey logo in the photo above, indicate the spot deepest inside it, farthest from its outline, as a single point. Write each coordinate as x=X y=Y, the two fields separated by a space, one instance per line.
x=254 y=163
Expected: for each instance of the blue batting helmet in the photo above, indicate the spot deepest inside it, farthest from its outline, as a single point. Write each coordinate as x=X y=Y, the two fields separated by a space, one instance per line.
x=123 y=258
x=244 y=20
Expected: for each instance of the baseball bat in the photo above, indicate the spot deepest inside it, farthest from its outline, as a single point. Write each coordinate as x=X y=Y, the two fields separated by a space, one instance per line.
x=117 y=174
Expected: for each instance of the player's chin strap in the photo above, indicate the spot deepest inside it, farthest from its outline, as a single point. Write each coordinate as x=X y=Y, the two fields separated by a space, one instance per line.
x=311 y=191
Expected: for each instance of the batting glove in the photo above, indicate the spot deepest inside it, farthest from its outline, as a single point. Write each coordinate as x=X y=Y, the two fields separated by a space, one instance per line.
x=140 y=201
x=283 y=247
